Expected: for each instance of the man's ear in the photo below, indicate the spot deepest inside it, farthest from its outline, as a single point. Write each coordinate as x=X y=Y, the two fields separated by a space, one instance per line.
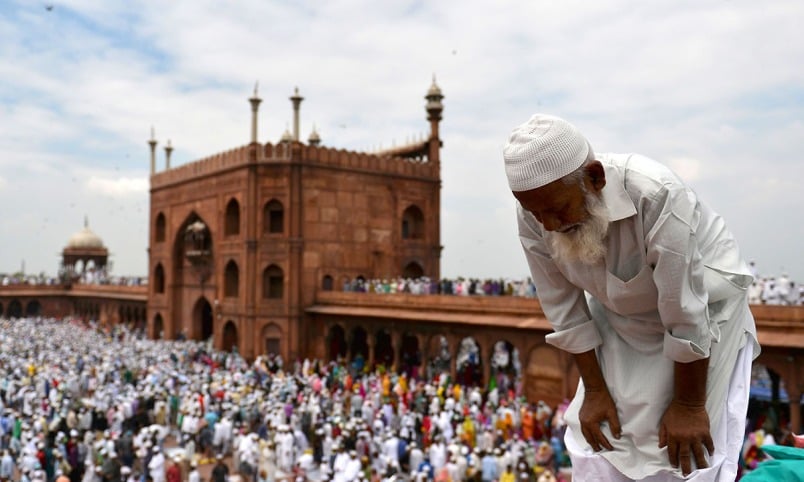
x=595 y=176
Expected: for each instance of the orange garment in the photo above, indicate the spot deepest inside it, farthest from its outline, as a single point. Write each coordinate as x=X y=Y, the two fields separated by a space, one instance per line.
x=527 y=424
x=443 y=475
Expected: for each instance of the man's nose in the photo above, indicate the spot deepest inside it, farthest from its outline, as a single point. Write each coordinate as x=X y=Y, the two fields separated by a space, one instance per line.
x=551 y=223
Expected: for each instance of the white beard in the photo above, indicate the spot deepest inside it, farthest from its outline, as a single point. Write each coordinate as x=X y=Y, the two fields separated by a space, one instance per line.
x=587 y=243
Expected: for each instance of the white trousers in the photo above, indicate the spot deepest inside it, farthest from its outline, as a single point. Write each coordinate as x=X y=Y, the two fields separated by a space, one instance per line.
x=731 y=431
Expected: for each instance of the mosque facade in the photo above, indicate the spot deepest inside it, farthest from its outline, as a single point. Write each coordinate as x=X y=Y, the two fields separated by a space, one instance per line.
x=241 y=241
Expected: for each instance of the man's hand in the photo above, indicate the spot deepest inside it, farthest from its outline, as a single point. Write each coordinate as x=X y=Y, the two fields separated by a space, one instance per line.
x=598 y=407
x=684 y=430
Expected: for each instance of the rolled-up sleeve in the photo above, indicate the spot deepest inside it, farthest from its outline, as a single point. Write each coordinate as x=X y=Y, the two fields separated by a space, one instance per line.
x=672 y=249
x=564 y=304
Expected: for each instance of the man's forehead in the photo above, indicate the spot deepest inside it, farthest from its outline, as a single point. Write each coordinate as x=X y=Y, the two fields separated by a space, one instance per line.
x=550 y=194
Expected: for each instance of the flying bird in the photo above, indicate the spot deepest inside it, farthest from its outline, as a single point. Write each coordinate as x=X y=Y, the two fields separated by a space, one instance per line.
x=49 y=7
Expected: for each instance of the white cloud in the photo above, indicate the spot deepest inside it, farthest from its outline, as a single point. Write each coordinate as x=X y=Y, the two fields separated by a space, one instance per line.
x=120 y=187
x=687 y=169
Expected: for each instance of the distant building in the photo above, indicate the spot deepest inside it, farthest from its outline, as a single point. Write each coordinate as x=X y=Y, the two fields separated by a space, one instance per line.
x=84 y=254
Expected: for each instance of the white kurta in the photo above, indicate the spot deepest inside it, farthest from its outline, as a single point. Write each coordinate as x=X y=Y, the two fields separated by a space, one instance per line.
x=671 y=288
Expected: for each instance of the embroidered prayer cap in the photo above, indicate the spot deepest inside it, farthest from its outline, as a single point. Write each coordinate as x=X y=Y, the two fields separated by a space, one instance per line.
x=542 y=150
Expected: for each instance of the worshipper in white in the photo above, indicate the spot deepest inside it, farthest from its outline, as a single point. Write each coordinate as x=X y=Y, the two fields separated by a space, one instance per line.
x=645 y=286
x=156 y=467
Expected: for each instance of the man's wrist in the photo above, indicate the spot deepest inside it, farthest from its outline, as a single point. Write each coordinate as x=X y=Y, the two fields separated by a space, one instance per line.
x=689 y=388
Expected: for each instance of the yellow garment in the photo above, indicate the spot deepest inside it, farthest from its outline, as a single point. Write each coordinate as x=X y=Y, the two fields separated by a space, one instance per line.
x=386 y=385
x=507 y=477
x=468 y=432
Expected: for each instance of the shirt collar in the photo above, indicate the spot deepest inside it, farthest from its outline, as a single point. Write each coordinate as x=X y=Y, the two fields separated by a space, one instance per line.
x=618 y=202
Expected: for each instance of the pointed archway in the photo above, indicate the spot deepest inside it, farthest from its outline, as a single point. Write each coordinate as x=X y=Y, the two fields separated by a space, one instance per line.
x=545 y=377
x=202 y=320
x=272 y=339
x=469 y=363
x=229 y=337
x=383 y=349
x=410 y=357
x=188 y=277
x=358 y=349
x=337 y=343
x=159 y=327
x=14 y=309
x=33 y=309
x=439 y=356
x=506 y=367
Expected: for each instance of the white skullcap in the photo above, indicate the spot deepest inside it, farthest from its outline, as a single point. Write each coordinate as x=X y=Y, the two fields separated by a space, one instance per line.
x=542 y=150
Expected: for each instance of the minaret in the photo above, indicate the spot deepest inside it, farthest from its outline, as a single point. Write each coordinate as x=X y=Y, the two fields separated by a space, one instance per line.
x=255 y=106
x=314 y=138
x=287 y=137
x=434 y=108
x=168 y=151
x=296 y=99
x=152 y=143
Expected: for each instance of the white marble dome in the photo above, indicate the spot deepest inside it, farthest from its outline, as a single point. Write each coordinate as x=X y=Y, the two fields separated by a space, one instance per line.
x=85 y=239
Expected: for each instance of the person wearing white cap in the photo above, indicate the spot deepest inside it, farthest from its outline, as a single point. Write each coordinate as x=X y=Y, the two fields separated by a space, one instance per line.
x=667 y=297
x=156 y=467
x=193 y=475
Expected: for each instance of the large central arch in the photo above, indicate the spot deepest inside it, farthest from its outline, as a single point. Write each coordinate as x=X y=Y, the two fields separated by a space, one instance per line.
x=191 y=270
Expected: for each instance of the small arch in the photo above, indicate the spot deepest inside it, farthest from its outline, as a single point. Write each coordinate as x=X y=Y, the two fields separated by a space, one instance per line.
x=327 y=283
x=1 y=310
x=231 y=280
x=33 y=309
x=159 y=327
x=410 y=357
x=413 y=270
x=439 y=356
x=231 y=224
x=505 y=365
x=15 y=309
x=337 y=343
x=469 y=363
x=202 y=315
x=272 y=337
x=383 y=348
x=229 y=336
x=273 y=282
x=413 y=223
x=358 y=349
x=159 y=279
x=160 y=228
x=273 y=214
x=544 y=376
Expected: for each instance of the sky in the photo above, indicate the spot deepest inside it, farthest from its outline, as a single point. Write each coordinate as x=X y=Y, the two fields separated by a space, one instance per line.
x=714 y=89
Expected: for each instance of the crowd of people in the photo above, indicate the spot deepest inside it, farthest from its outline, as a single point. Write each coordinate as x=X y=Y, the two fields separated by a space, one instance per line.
x=460 y=286
x=765 y=289
x=80 y=403
x=88 y=277
x=771 y=290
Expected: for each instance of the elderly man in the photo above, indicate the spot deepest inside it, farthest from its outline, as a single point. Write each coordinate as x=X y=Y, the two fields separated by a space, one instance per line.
x=644 y=285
